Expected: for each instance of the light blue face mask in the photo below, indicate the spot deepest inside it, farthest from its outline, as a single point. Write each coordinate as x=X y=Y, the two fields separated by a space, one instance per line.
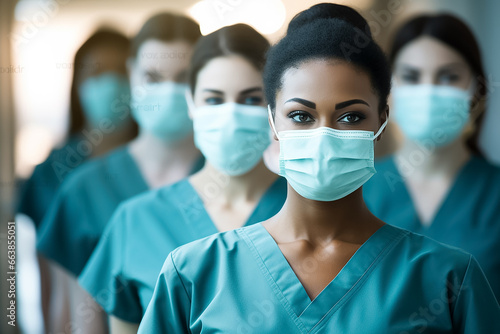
x=431 y=115
x=161 y=109
x=231 y=136
x=325 y=164
x=105 y=97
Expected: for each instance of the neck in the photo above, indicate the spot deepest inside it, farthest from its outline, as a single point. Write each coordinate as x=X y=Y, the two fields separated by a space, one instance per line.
x=321 y=222
x=148 y=147
x=421 y=161
x=214 y=186
x=103 y=143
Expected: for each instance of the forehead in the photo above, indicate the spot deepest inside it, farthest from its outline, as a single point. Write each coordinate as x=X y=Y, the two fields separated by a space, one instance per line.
x=328 y=81
x=229 y=73
x=163 y=56
x=429 y=53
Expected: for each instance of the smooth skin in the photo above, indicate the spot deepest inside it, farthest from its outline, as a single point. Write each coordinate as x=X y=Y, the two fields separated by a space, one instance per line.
x=429 y=61
x=318 y=238
x=225 y=80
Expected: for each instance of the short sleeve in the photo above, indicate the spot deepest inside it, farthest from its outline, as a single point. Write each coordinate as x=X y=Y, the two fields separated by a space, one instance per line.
x=168 y=310
x=56 y=237
x=104 y=278
x=476 y=309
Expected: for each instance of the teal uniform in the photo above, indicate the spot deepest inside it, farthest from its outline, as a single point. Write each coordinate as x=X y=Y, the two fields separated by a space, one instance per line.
x=122 y=272
x=84 y=204
x=397 y=282
x=38 y=192
x=468 y=218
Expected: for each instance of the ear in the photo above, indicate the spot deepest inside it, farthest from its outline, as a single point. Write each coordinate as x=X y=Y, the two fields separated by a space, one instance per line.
x=272 y=132
x=383 y=117
x=271 y=122
x=190 y=102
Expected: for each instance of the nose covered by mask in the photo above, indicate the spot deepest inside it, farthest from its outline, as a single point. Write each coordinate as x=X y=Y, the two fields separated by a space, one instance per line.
x=105 y=97
x=430 y=114
x=325 y=164
x=161 y=109
x=231 y=136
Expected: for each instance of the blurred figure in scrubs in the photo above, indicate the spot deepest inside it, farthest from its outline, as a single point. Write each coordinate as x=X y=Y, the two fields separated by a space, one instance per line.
x=324 y=263
x=99 y=121
x=233 y=189
x=438 y=183
x=163 y=153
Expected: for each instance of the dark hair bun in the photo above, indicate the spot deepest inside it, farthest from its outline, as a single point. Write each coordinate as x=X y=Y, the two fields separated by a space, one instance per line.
x=330 y=11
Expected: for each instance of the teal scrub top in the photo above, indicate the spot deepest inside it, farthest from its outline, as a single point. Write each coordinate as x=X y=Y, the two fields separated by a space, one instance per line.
x=38 y=192
x=469 y=217
x=122 y=272
x=86 y=201
x=397 y=282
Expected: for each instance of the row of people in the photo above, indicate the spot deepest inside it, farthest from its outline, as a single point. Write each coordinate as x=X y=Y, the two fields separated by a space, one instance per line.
x=309 y=251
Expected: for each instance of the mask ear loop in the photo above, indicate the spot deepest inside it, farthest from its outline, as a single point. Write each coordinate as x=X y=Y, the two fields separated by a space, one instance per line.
x=381 y=128
x=271 y=121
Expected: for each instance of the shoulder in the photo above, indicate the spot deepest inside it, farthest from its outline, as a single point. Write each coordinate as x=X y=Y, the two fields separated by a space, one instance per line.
x=162 y=198
x=486 y=168
x=152 y=207
x=94 y=169
x=195 y=257
x=424 y=252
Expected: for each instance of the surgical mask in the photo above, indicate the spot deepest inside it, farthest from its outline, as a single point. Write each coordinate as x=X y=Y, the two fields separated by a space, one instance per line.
x=161 y=109
x=429 y=114
x=103 y=97
x=325 y=164
x=231 y=136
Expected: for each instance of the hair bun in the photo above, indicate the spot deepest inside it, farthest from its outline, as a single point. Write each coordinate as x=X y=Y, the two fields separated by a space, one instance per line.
x=329 y=11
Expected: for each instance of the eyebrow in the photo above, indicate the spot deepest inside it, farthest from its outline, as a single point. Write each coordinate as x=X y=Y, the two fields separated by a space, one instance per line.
x=340 y=105
x=452 y=65
x=345 y=104
x=246 y=91
x=307 y=103
x=154 y=74
x=215 y=91
x=251 y=90
x=409 y=67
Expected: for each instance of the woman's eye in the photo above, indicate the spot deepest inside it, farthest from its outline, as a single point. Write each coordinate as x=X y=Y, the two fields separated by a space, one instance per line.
x=448 y=79
x=300 y=117
x=252 y=100
x=351 y=118
x=409 y=78
x=214 y=100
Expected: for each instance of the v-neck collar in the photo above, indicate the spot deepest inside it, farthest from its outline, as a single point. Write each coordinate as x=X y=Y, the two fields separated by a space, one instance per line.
x=308 y=314
x=196 y=215
x=450 y=196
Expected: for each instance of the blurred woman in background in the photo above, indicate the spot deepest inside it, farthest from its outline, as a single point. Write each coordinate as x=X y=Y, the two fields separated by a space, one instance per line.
x=162 y=153
x=324 y=263
x=233 y=189
x=438 y=183
x=99 y=96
